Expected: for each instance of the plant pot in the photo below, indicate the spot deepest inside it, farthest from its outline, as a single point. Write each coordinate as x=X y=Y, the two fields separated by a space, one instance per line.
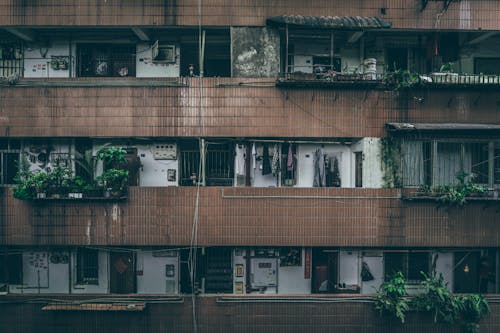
x=75 y=195
x=41 y=195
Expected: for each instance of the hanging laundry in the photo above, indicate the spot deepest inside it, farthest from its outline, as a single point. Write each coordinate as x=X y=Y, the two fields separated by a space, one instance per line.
x=254 y=156
x=289 y=159
x=275 y=165
x=266 y=163
x=319 y=169
x=240 y=159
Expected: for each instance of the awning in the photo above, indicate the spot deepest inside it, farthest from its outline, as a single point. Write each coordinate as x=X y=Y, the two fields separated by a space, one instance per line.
x=411 y=127
x=331 y=22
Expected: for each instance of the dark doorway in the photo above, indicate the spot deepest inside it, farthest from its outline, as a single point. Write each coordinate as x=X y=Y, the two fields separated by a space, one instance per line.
x=325 y=270
x=186 y=286
x=397 y=58
x=219 y=272
x=466 y=273
x=122 y=273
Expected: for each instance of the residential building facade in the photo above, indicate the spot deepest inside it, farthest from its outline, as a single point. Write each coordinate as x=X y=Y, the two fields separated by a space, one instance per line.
x=282 y=161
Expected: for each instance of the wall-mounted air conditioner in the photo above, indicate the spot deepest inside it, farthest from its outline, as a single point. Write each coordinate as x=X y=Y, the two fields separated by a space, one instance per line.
x=163 y=53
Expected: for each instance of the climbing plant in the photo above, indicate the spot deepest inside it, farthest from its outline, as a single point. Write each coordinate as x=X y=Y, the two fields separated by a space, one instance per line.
x=391 y=163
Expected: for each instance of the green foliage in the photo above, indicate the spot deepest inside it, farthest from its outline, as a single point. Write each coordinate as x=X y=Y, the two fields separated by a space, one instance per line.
x=116 y=179
x=390 y=151
x=401 y=79
x=447 y=308
x=391 y=298
x=77 y=184
x=456 y=194
x=113 y=157
x=437 y=299
x=446 y=67
x=472 y=309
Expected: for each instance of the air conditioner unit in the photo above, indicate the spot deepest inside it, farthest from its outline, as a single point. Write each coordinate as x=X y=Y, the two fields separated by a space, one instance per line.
x=163 y=53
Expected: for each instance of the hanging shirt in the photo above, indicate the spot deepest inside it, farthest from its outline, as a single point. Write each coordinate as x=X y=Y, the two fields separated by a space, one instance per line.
x=240 y=159
x=289 y=159
x=254 y=156
x=319 y=169
x=276 y=160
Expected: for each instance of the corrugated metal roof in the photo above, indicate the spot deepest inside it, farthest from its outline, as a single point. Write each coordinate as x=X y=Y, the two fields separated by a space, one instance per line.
x=440 y=127
x=336 y=22
x=94 y=307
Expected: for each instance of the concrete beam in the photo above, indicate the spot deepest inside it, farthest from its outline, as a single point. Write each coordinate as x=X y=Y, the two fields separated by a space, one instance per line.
x=355 y=37
x=484 y=36
x=24 y=35
x=140 y=33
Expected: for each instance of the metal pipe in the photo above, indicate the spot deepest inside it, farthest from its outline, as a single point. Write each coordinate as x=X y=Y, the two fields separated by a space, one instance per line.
x=304 y=196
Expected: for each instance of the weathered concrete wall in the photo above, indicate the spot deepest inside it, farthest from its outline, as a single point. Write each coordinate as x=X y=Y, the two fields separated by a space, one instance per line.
x=255 y=52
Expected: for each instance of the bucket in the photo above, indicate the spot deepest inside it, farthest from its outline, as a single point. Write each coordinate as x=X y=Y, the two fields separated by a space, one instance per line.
x=370 y=68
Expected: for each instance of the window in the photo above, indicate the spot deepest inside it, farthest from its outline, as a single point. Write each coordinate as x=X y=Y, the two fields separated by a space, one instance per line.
x=411 y=264
x=87 y=266
x=397 y=58
x=11 y=59
x=487 y=66
x=103 y=60
x=11 y=268
x=219 y=164
x=9 y=159
x=439 y=162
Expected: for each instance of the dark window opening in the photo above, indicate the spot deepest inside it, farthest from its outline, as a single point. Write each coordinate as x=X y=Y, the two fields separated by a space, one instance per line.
x=397 y=58
x=479 y=162
x=496 y=164
x=217 y=55
x=358 y=174
x=9 y=161
x=11 y=268
x=84 y=160
x=96 y=60
x=325 y=271
x=87 y=266
x=186 y=283
x=219 y=271
x=411 y=264
x=487 y=66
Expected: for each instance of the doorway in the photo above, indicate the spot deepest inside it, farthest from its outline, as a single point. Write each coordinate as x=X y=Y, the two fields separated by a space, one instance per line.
x=325 y=270
x=122 y=273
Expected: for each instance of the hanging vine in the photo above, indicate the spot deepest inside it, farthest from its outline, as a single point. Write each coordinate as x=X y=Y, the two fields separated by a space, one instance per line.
x=391 y=162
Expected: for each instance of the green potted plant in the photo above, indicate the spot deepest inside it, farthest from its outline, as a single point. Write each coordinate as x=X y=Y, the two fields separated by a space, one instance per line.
x=40 y=181
x=76 y=186
x=58 y=181
x=113 y=157
x=24 y=189
x=114 y=181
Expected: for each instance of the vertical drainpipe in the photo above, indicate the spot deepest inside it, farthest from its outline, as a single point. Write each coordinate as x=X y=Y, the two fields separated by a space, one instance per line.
x=286 y=49
x=202 y=53
x=70 y=62
x=331 y=50
x=69 y=271
x=202 y=157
